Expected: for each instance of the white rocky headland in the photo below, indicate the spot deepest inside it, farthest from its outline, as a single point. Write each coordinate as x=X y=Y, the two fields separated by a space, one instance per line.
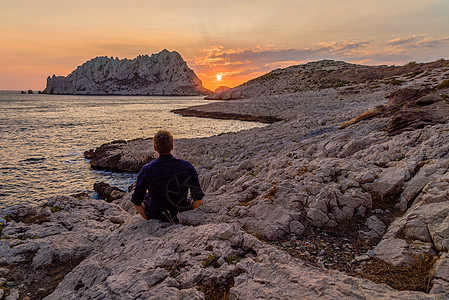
x=163 y=73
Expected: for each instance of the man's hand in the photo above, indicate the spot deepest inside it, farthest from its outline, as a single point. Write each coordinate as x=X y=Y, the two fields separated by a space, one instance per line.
x=195 y=204
x=141 y=210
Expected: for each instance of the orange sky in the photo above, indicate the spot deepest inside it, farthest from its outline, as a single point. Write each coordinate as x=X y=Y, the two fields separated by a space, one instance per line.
x=239 y=39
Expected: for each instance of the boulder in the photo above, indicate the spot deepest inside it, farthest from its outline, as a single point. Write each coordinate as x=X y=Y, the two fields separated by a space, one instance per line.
x=297 y=228
x=108 y=192
x=376 y=228
x=389 y=182
x=394 y=251
x=124 y=156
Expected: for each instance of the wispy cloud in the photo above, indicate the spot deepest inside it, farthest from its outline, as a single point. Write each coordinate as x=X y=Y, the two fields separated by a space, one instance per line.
x=238 y=65
x=418 y=41
x=433 y=43
x=404 y=41
x=263 y=55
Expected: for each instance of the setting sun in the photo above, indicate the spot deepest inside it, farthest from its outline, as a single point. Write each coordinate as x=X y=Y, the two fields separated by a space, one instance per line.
x=219 y=76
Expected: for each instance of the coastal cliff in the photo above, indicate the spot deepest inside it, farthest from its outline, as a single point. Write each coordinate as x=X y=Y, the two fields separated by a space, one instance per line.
x=164 y=73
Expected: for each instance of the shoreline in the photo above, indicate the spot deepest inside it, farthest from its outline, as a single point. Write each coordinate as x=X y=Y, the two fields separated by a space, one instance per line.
x=189 y=112
x=289 y=206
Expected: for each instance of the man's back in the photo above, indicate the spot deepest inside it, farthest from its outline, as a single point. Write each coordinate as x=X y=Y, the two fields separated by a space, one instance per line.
x=168 y=181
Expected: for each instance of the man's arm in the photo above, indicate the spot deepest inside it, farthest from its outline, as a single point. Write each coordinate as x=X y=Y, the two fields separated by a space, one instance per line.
x=139 y=194
x=195 y=190
x=141 y=210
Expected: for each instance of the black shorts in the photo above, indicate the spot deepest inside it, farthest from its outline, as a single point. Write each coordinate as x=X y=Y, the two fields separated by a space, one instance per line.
x=169 y=216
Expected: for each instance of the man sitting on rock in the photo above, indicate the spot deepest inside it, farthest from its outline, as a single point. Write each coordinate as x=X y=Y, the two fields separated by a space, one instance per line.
x=168 y=181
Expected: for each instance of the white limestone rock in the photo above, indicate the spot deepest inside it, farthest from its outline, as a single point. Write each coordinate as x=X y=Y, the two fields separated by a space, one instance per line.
x=142 y=260
x=394 y=251
x=74 y=228
x=376 y=228
x=389 y=182
x=297 y=228
x=164 y=73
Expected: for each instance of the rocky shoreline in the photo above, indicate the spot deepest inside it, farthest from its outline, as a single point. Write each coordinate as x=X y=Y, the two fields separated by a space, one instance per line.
x=189 y=112
x=313 y=206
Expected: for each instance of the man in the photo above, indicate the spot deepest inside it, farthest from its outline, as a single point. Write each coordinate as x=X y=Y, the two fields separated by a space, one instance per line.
x=167 y=180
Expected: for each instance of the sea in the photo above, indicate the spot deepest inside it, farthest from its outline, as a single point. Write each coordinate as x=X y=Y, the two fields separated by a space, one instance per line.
x=43 y=138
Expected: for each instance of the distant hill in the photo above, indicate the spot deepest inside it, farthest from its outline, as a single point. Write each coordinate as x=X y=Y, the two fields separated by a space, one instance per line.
x=164 y=73
x=319 y=75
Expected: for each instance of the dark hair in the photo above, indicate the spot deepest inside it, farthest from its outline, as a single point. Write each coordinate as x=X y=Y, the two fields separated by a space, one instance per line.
x=163 y=142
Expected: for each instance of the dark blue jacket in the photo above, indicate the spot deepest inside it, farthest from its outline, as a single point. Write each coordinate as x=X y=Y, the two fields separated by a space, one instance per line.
x=168 y=181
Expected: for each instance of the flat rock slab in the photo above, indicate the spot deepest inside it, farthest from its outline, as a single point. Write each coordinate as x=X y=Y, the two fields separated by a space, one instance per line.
x=146 y=261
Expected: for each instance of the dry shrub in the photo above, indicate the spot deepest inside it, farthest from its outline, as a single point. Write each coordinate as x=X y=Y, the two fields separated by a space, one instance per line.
x=271 y=194
x=215 y=291
x=414 y=278
x=218 y=290
x=301 y=171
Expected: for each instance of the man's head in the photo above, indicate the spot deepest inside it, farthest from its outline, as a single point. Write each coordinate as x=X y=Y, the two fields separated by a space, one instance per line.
x=163 y=142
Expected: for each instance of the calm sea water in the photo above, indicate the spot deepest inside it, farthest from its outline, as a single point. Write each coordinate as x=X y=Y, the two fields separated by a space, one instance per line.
x=43 y=138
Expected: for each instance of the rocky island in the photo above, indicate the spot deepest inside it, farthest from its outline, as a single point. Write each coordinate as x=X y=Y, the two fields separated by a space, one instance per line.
x=163 y=73
x=345 y=195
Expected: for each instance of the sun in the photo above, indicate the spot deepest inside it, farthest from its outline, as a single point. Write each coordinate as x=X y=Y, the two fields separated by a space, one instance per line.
x=219 y=77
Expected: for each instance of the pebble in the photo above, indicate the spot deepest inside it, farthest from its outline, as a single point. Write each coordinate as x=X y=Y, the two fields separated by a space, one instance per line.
x=221 y=261
x=322 y=252
x=287 y=244
x=13 y=295
x=2 y=282
x=370 y=253
x=3 y=272
x=362 y=257
x=321 y=264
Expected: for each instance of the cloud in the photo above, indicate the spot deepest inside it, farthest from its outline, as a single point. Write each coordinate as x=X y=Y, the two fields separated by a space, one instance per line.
x=261 y=57
x=404 y=41
x=433 y=43
x=418 y=42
